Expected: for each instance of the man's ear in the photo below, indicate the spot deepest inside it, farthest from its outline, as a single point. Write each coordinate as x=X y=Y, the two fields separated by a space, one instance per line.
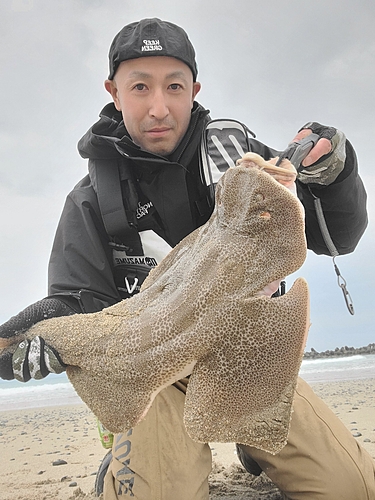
x=110 y=87
x=196 y=89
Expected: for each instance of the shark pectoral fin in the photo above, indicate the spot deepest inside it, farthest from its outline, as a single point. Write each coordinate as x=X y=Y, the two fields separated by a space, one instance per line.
x=243 y=390
x=118 y=405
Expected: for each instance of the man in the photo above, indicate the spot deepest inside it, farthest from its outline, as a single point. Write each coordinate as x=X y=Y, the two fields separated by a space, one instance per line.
x=145 y=191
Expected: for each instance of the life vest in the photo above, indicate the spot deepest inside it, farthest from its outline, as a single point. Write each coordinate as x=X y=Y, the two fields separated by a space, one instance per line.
x=223 y=143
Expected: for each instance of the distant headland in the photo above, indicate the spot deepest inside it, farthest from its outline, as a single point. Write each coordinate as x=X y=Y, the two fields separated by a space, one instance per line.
x=339 y=352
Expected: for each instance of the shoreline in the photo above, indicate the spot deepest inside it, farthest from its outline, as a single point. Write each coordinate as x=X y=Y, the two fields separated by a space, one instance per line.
x=31 y=440
x=56 y=390
x=340 y=352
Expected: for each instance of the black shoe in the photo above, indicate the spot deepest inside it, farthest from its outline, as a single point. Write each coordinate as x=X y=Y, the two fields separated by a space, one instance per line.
x=248 y=463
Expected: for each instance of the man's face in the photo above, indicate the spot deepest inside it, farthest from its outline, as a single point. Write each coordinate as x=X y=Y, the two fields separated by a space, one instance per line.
x=155 y=95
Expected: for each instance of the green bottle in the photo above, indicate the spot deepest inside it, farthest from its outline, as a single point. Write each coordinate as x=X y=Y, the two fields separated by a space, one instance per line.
x=106 y=437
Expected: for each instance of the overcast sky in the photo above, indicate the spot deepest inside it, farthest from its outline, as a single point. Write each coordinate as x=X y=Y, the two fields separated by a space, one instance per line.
x=272 y=64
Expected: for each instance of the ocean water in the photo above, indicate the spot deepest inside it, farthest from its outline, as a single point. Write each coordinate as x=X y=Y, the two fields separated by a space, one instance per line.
x=335 y=369
x=56 y=390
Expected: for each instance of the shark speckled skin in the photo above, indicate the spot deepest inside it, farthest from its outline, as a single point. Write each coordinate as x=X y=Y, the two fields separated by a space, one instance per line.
x=200 y=312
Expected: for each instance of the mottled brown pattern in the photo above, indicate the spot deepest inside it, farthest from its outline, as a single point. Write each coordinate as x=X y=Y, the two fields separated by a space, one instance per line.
x=199 y=313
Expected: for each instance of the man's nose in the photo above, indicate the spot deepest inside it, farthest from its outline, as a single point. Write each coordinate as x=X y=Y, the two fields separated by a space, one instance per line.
x=159 y=106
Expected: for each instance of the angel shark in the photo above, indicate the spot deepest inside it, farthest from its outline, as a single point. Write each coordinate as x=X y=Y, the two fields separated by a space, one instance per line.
x=203 y=312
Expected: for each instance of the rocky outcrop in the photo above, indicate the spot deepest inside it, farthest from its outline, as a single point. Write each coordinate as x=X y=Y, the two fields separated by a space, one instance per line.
x=340 y=352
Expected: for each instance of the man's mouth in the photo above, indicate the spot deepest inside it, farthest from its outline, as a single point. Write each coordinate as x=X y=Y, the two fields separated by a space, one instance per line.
x=158 y=131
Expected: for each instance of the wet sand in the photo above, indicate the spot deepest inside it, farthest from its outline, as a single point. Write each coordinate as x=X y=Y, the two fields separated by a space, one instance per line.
x=33 y=440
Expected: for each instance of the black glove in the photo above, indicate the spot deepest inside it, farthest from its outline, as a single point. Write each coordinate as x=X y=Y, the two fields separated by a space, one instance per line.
x=32 y=359
x=328 y=167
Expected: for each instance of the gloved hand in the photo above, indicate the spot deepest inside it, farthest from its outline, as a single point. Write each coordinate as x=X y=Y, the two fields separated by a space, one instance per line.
x=35 y=359
x=327 y=159
x=32 y=359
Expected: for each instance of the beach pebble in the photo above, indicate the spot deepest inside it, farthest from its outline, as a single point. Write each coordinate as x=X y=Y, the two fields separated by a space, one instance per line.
x=357 y=434
x=71 y=485
x=367 y=440
x=59 y=462
x=41 y=472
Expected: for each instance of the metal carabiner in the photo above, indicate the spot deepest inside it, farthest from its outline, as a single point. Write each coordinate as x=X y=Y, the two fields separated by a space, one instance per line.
x=342 y=284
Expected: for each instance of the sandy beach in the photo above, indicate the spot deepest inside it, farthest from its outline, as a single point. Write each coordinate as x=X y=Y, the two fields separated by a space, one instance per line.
x=54 y=452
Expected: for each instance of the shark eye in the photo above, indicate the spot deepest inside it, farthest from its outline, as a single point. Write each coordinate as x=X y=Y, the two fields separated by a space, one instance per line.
x=265 y=215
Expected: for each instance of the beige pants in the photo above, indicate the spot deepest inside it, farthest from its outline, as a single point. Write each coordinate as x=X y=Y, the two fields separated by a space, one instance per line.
x=158 y=461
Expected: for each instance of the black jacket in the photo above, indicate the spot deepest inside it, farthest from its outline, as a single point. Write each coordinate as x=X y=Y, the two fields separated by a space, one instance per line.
x=167 y=198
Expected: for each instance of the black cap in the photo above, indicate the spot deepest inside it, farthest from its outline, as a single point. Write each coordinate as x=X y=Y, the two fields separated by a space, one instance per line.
x=151 y=37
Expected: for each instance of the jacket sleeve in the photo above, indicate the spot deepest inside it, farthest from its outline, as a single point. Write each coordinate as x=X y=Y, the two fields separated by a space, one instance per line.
x=80 y=268
x=343 y=203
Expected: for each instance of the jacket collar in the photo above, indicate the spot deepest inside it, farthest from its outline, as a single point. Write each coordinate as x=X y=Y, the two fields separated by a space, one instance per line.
x=108 y=137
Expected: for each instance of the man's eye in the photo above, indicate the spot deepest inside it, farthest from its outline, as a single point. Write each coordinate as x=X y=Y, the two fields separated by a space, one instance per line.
x=140 y=86
x=175 y=86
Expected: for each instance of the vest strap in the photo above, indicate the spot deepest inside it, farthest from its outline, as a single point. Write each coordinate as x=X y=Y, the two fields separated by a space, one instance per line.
x=111 y=205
